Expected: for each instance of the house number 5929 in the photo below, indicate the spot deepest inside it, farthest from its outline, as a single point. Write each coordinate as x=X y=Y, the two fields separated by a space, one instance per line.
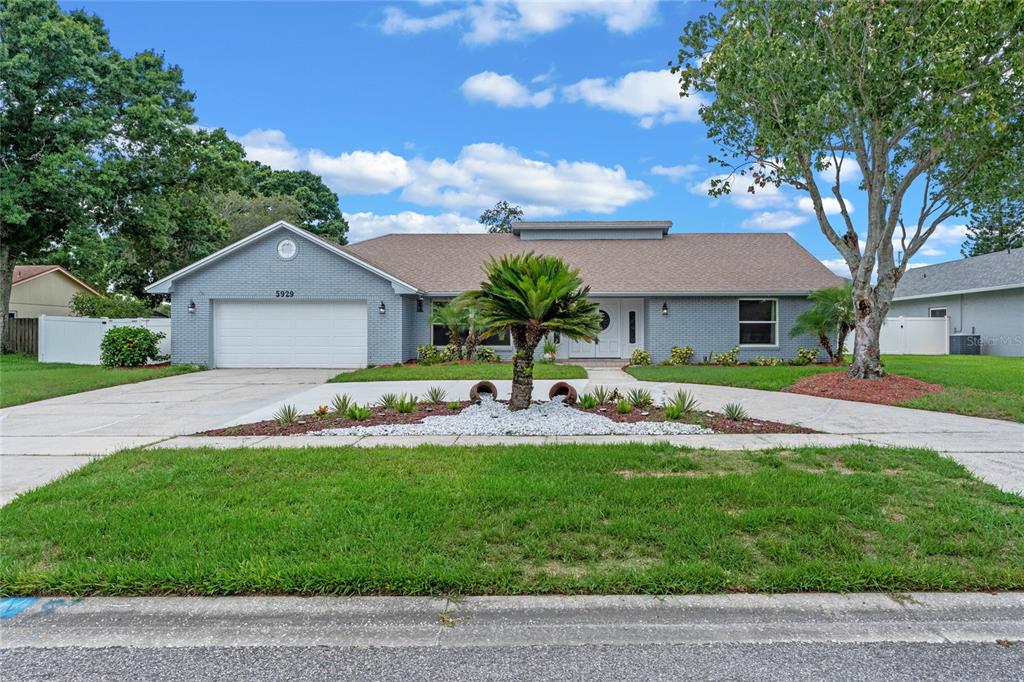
x=284 y=293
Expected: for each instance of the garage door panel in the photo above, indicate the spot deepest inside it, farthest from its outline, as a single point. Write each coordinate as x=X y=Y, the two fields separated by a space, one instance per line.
x=290 y=333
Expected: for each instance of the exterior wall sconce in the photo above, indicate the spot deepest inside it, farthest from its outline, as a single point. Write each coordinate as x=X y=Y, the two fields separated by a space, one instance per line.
x=382 y=308
x=192 y=307
x=419 y=304
x=664 y=308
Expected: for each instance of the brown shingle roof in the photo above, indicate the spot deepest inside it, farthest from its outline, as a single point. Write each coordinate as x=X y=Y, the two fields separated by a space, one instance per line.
x=678 y=263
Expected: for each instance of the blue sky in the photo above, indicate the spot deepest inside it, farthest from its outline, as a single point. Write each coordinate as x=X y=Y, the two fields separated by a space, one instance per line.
x=421 y=115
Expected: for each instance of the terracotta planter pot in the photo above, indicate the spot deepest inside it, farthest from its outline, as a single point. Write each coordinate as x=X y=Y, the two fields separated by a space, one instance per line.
x=564 y=389
x=482 y=388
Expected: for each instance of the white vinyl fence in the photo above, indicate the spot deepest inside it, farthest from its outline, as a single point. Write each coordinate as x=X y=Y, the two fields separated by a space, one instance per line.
x=77 y=339
x=912 y=336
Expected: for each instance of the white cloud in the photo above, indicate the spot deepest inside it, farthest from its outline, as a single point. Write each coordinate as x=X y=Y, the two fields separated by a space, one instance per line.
x=489 y=21
x=483 y=174
x=849 y=173
x=651 y=96
x=948 y=234
x=365 y=225
x=505 y=91
x=773 y=221
x=768 y=196
x=931 y=251
x=837 y=265
x=830 y=204
x=675 y=173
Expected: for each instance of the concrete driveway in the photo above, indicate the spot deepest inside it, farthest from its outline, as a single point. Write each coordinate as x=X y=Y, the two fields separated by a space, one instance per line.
x=42 y=440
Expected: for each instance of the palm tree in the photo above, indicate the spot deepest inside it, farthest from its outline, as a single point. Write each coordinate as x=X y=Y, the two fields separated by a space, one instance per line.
x=451 y=318
x=532 y=296
x=832 y=313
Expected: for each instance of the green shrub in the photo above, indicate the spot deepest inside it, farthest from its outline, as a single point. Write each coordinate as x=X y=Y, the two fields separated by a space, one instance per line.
x=453 y=404
x=84 y=304
x=762 y=361
x=685 y=402
x=450 y=353
x=600 y=394
x=286 y=416
x=673 y=411
x=435 y=395
x=426 y=354
x=805 y=356
x=406 y=403
x=640 y=358
x=388 y=401
x=340 y=403
x=680 y=355
x=588 y=401
x=640 y=397
x=728 y=358
x=129 y=346
x=358 y=412
x=487 y=354
x=734 y=412
x=623 y=406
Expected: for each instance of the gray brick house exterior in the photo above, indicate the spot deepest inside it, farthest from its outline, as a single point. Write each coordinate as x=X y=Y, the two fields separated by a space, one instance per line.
x=396 y=281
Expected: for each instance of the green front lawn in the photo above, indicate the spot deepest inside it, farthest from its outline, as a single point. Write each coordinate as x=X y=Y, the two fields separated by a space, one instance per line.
x=511 y=520
x=23 y=379
x=978 y=385
x=445 y=371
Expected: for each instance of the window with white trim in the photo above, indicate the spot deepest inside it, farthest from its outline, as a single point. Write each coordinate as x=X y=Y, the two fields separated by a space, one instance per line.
x=937 y=312
x=759 y=322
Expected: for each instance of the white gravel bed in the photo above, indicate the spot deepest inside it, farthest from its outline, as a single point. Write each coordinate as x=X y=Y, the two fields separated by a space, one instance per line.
x=490 y=418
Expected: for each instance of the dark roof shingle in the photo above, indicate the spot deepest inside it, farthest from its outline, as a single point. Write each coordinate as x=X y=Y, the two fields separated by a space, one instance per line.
x=999 y=269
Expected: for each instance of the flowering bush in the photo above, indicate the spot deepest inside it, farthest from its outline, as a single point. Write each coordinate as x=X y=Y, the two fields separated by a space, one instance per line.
x=729 y=358
x=129 y=346
x=450 y=353
x=805 y=356
x=680 y=355
x=487 y=354
x=762 y=361
x=426 y=354
x=640 y=358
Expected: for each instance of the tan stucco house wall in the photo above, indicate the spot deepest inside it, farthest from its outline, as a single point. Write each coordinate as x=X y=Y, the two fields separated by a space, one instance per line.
x=46 y=294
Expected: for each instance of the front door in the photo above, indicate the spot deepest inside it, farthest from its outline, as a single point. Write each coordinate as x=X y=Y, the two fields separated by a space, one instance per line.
x=609 y=343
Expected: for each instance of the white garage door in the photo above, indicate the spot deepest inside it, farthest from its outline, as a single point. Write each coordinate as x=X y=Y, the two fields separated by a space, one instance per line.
x=289 y=334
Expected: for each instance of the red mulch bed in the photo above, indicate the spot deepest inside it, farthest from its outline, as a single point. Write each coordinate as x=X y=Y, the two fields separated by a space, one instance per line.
x=715 y=421
x=888 y=390
x=309 y=422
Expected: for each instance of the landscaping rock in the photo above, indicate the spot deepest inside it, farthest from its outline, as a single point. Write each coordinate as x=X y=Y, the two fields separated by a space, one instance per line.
x=490 y=418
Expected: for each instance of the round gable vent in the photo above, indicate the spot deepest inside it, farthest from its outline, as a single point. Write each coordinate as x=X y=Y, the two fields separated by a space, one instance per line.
x=287 y=249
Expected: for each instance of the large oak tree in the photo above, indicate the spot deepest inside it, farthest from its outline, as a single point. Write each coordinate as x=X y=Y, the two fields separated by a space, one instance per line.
x=923 y=98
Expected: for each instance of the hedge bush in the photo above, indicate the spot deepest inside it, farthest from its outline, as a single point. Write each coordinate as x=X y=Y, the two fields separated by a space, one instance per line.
x=129 y=346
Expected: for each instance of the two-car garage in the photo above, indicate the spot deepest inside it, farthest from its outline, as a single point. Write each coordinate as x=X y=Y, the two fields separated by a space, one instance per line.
x=289 y=333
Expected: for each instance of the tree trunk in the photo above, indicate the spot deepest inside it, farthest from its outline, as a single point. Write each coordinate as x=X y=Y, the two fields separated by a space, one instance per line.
x=867 y=361
x=841 y=342
x=470 y=345
x=826 y=343
x=522 y=368
x=6 y=284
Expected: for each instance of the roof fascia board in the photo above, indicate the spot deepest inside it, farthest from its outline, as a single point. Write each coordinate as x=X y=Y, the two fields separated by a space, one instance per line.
x=958 y=292
x=163 y=285
x=60 y=270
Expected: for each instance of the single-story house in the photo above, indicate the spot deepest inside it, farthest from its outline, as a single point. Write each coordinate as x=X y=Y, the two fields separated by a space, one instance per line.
x=44 y=290
x=982 y=295
x=284 y=297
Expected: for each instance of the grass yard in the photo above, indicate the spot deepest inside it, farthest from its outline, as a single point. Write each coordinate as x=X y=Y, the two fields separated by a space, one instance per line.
x=978 y=385
x=446 y=371
x=23 y=379
x=512 y=520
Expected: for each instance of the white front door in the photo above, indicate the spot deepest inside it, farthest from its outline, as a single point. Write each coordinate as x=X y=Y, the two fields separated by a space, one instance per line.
x=260 y=333
x=609 y=342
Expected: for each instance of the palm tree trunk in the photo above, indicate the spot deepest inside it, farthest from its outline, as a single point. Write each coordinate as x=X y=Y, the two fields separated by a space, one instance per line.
x=826 y=343
x=522 y=368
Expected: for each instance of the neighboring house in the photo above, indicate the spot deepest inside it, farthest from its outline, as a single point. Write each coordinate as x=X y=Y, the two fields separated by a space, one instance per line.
x=284 y=297
x=44 y=290
x=982 y=295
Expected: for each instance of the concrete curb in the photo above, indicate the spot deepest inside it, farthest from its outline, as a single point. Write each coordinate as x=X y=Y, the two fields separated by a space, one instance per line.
x=150 y=622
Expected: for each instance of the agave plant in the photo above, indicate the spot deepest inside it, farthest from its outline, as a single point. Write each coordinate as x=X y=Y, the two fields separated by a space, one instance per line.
x=286 y=415
x=358 y=412
x=588 y=401
x=532 y=296
x=640 y=397
x=406 y=403
x=340 y=403
x=600 y=394
x=435 y=395
x=388 y=401
x=734 y=412
x=685 y=401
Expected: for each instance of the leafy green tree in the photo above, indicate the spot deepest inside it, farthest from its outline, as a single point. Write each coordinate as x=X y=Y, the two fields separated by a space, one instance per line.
x=924 y=99
x=830 y=315
x=320 y=211
x=248 y=214
x=502 y=217
x=84 y=304
x=532 y=296
x=995 y=227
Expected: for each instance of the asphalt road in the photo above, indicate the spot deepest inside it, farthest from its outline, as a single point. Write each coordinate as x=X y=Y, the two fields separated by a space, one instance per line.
x=783 y=661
